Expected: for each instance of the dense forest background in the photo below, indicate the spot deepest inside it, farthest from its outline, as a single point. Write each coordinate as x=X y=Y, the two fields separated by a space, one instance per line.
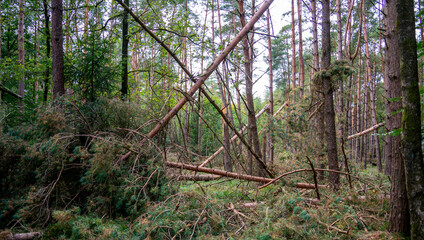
x=124 y=119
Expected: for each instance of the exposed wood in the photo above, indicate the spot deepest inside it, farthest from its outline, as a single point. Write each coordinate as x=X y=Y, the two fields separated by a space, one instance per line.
x=218 y=172
x=365 y=131
x=315 y=177
x=196 y=177
x=22 y=236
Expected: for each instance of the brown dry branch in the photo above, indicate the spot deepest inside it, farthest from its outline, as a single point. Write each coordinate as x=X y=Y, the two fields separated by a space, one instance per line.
x=218 y=172
x=304 y=170
x=365 y=131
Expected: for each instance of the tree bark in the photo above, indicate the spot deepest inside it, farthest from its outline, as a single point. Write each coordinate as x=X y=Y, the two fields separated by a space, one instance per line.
x=57 y=49
x=270 y=132
x=329 y=115
x=411 y=116
x=293 y=42
x=398 y=212
x=228 y=165
x=48 y=51
x=21 y=51
x=317 y=93
x=301 y=63
x=124 y=54
x=248 y=67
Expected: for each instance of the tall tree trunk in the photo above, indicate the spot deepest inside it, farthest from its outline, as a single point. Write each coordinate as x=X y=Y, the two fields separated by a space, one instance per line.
x=124 y=63
x=252 y=126
x=329 y=116
x=319 y=122
x=57 y=49
x=293 y=23
x=371 y=83
x=200 y=122
x=358 y=111
x=398 y=213
x=48 y=51
x=270 y=132
x=411 y=116
x=301 y=63
x=21 y=51
x=228 y=166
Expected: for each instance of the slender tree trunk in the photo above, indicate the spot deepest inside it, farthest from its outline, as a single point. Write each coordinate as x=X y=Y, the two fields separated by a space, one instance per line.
x=358 y=111
x=329 y=116
x=252 y=127
x=48 y=51
x=398 y=213
x=411 y=116
x=319 y=122
x=293 y=23
x=228 y=166
x=200 y=123
x=21 y=51
x=270 y=132
x=301 y=63
x=57 y=49
x=124 y=63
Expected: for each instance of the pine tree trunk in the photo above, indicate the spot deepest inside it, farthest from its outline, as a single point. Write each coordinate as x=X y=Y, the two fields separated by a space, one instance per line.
x=270 y=132
x=293 y=63
x=301 y=63
x=124 y=54
x=48 y=51
x=318 y=96
x=411 y=116
x=21 y=51
x=57 y=49
x=252 y=126
x=228 y=166
x=329 y=115
x=398 y=213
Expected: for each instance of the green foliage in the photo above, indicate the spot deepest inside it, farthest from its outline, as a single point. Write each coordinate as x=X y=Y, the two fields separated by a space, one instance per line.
x=68 y=155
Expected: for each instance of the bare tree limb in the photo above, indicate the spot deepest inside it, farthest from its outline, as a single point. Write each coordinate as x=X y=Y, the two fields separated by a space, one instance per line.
x=365 y=131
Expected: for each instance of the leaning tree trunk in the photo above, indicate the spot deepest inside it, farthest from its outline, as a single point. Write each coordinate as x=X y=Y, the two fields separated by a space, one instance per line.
x=329 y=115
x=411 y=116
x=398 y=213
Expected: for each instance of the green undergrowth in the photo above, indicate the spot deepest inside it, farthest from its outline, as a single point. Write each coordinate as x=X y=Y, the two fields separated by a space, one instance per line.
x=61 y=174
x=235 y=209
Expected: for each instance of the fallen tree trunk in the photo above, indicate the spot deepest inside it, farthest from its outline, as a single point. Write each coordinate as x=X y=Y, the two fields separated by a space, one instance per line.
x=196 y=177
x=21 y=236
x=365 y=131
x=218 y=172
